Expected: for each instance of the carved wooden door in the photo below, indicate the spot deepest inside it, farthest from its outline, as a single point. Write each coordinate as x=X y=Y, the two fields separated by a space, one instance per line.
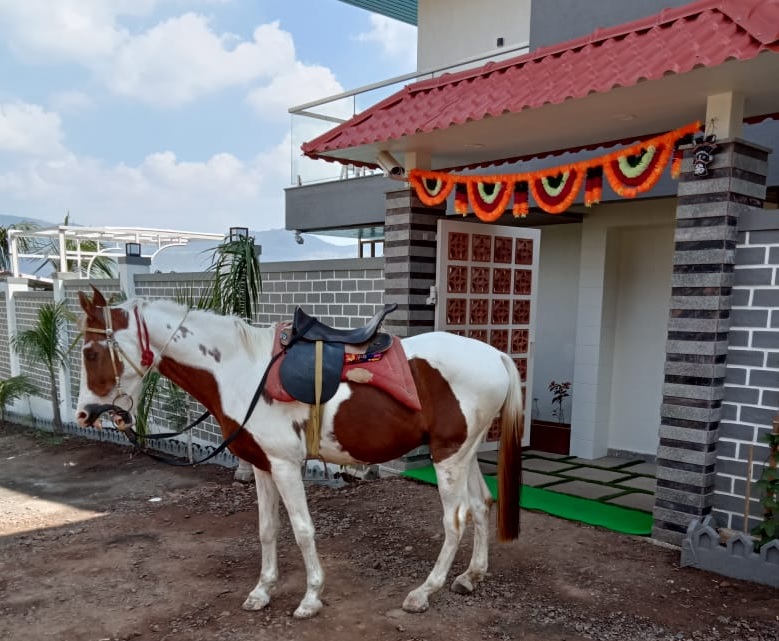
x=486 y=278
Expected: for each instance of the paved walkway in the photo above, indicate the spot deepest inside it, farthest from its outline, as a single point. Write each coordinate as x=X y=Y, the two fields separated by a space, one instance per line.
x=629 y=482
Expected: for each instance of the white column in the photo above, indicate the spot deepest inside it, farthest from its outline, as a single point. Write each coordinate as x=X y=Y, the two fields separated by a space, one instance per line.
x=64 y=375
x=129 y=266
x=724 y=115
x=13 y=287
x=594 y=347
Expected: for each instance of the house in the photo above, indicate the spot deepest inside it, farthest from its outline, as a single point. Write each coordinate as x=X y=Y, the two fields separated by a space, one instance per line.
x=660 y=308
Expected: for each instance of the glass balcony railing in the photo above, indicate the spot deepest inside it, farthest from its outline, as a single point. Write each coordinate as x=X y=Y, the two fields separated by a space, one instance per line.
x=317 y=117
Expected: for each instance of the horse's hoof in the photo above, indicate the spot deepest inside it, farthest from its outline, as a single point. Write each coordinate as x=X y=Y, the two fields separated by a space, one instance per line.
x=308 y=610
x=243 y=476
x=256 y=602
x=415 y=603
x=462 y=585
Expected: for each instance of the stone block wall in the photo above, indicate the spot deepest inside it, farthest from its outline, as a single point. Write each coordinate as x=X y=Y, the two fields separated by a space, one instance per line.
x=751 y=399
x=5 y=347
x=27 y=306
x=342 y=293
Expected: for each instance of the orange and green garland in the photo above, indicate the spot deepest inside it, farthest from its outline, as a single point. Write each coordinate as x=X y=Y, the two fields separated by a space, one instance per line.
x=629 y=172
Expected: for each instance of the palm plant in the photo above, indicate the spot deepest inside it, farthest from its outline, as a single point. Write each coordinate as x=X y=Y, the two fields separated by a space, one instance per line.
x=26 y=244
x=13 y=389
x=42 y=344
x=237 y=283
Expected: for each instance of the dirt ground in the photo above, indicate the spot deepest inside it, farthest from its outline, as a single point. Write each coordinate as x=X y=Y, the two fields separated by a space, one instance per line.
x=86 y=554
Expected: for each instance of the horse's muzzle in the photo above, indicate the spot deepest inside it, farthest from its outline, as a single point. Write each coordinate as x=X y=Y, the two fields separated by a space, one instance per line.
x=92 y=412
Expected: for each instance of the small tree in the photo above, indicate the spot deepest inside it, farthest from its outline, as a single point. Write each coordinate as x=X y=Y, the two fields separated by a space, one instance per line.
x=769 y=484
x=43 y=344
x=12 y=389
x=560 y=391
x=237 y=283
x=25 y=244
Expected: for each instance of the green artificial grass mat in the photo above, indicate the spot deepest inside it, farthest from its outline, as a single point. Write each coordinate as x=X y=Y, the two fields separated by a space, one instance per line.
x=573 y=508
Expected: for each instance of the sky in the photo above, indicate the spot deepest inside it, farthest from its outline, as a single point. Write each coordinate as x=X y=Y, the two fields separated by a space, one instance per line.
x=173 y=114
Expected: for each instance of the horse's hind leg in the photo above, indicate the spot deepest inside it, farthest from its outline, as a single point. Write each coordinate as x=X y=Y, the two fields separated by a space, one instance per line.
x=480 y=501
x=453 y=488
x=268 y=508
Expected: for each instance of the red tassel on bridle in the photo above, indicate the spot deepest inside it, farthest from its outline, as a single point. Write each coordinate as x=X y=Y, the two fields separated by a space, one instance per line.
x=147 y=356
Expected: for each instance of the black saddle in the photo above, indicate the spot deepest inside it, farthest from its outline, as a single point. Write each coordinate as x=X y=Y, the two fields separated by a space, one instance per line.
x=298 y=370
x=313 y=329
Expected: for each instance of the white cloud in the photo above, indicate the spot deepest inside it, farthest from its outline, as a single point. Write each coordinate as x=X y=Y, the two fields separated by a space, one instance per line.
x=294 y=85
x=397 y=40
x=71 y=30
x=169 y=64
x=182 y=58
x=70 y=102
x=28 y=129
x=196 y=196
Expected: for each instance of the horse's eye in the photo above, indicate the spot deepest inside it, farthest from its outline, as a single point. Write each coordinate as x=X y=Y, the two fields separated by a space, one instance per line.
x=90 y=356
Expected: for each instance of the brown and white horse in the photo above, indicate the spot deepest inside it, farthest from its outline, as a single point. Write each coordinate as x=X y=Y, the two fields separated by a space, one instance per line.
x=463 y=385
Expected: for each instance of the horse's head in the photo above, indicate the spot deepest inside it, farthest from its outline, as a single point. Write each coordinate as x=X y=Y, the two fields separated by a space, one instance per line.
x=110 y=375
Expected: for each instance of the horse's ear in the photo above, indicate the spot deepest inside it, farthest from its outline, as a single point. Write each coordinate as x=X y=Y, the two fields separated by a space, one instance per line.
x=97 y=297
x=89 y=306
x=86 y=304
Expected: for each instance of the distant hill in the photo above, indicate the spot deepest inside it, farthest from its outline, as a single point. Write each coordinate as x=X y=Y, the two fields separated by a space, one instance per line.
x=278 y=245
x=6 y=220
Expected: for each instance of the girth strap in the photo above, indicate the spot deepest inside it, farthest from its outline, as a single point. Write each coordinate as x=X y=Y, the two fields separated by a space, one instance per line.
x=314 y=429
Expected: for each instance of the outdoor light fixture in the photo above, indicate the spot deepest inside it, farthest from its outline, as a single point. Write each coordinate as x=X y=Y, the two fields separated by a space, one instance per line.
x=390 y=166
x=132 y=249
x=237 y=233
x=298 y=238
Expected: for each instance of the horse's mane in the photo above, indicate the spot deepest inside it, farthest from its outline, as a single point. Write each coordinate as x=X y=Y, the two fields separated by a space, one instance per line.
x=255 y=340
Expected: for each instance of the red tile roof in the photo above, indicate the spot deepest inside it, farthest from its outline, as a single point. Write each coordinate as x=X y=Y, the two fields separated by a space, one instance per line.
x=701 y=34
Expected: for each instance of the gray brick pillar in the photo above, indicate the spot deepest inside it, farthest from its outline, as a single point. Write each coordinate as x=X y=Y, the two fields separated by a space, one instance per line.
x=707 y=215
x=409 y=261
x=409 y=272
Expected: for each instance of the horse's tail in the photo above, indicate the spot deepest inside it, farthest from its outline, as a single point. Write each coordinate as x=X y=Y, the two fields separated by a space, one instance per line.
x=510 y=458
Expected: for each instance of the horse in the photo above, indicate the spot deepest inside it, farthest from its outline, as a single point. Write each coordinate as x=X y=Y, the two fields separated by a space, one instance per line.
x=463 y=385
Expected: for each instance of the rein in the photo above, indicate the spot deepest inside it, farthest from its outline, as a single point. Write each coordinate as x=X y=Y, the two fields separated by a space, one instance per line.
x=147 y=360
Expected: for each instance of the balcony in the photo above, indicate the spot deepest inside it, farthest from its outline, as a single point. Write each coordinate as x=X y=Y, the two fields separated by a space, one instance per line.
x=334 y=199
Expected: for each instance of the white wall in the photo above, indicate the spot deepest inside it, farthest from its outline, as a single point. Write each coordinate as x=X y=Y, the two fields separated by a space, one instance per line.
x=558 y=286
x=453 y=30
x=622 y=320
x=643 y=292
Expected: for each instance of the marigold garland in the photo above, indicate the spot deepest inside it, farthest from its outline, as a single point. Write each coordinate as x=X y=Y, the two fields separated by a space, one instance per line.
x=629 y=180
x=556 y=193
x=489 y=199
x=630 y=171
x=521 y=207
x=593 y=186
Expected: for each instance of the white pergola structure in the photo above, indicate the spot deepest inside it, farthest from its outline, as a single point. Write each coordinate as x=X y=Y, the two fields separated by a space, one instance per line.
x=65 y=243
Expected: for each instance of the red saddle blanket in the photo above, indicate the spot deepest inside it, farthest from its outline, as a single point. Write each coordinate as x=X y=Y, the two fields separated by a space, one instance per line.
x=389 y=373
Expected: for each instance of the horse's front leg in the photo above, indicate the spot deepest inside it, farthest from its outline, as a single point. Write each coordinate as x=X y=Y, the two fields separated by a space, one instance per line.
x=289 y=481
x=268 y=508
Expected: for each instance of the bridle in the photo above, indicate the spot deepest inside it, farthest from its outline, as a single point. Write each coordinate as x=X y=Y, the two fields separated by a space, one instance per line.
x=116 y=352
